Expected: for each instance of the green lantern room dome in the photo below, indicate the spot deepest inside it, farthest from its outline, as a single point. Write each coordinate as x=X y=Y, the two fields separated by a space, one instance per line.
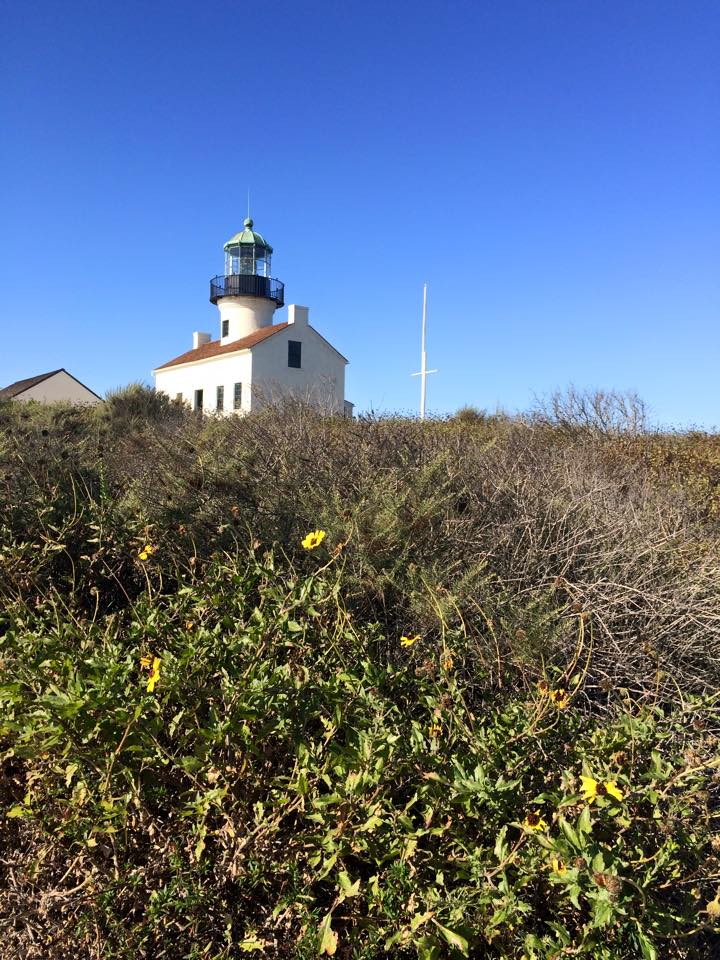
x=248 y=237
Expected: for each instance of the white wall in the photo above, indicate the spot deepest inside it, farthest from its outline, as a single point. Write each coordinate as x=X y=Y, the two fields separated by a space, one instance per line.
x=264 y=372
x=207 y=375
x=321 y=378
x=60 y=388
x=244 y=315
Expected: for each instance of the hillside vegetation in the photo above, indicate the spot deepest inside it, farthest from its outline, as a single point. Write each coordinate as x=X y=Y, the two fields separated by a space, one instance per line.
x=475 y=716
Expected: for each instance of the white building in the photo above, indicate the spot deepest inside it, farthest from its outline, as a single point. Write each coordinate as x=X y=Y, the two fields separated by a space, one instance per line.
x=58 y=386
x=254 y=360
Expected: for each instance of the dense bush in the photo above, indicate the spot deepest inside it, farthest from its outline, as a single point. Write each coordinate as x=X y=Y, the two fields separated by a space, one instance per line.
x=216 y=741
x=237 y=765
x=491 y=524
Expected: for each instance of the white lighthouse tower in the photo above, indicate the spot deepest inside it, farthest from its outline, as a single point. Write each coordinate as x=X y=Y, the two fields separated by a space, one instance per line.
x=255 y=360
x=247 y=296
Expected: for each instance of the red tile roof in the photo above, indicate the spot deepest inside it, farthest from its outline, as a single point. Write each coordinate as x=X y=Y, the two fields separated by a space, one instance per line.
x=216 y=349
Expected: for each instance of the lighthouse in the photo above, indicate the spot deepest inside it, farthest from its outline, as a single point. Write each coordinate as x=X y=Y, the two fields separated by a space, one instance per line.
x=246 y=294
x=256 y=358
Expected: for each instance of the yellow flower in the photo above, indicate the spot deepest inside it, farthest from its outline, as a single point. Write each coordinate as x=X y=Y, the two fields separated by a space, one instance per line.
x=409 y=641
x=154 y=674
x=313 y=539
x=434 y=730
x=559 y=698
x=592 y=788
x=589 y=788
x=145 y=662
x=612 y=788
x=448 y=662
x=143 y=555
x=189 y=624
x=533 y=821
x=542 y=687
x=558 y=866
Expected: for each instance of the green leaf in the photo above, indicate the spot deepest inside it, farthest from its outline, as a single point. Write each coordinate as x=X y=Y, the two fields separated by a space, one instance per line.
x=348 y=888
x=574 y=894
x=603 y=912
x=409 y=848
x=454 y=939
x=569 y=832
x=370 y=824
x=328 y=937
x=648 y=950
x=585 y=821
x=250 y=944
x=200 y=845
x=428 y=949
x=501 y=847
x=70 y=771
x=327 y=866
x=419 y=919
x=191 y=764
x=561 y=932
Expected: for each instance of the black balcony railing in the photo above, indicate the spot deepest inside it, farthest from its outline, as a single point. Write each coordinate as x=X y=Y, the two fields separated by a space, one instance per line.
x=247 y=285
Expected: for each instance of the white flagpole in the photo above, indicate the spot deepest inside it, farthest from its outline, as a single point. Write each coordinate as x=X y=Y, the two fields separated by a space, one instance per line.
x=423 y=358
x=423 y=363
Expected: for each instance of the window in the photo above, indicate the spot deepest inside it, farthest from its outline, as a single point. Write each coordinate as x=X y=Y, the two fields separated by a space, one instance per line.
x=220 y=399
x=225 y=328
x=198 y=400
x=179 y=397
x=294 y=353
x=247 y=258
x=237 y=396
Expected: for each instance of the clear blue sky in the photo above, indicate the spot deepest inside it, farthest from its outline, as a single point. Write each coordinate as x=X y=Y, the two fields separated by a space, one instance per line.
x=550 y=167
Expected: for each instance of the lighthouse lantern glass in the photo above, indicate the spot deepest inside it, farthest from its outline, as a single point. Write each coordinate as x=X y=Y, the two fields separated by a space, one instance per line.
x=247 y=258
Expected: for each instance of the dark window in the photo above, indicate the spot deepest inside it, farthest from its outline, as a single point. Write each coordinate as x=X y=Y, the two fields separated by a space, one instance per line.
x=237 y=396
x=294 y=353
x=220 y=399
x=225 y=328
x=179 y=396
x=198 y=400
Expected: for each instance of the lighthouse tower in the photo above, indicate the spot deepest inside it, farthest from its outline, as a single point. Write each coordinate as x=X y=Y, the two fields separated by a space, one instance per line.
x=246 y=295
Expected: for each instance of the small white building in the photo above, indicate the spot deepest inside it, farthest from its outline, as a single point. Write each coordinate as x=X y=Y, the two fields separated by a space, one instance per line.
x=255 y=360
x=58 y=386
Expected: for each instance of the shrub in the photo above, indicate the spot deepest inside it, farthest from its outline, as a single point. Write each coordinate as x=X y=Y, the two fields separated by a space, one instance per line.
x=296 y=773
x=503 y=521
x=469 y=414
x=596 y=411
x=238 y=766
x=138 y=403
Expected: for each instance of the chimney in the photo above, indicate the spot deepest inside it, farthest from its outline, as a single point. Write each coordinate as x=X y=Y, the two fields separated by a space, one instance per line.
x=298 y=315
x=200 y=338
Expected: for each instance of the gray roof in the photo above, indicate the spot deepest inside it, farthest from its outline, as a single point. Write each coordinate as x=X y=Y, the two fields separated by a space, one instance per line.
x=20 y=386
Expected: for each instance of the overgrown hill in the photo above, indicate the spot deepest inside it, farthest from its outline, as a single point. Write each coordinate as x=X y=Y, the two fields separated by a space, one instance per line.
x=478 y=717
